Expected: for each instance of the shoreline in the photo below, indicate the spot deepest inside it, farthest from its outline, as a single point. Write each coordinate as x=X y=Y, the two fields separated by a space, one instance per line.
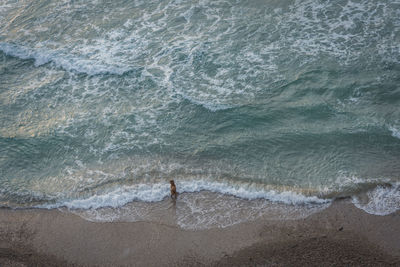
x=338 y=235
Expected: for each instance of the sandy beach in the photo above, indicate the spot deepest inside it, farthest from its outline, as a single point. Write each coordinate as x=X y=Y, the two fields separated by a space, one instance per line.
x=278 y=122
x=340 y=235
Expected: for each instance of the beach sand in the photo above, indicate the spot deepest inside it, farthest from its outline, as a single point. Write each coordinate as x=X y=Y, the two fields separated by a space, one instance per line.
x=339 y=235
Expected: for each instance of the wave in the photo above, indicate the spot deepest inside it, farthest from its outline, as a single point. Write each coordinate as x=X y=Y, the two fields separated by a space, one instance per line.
x=158 y=191
x=395 y=132
x=215 y=204
x=206 y=204
x=382 y=200
x=207 y=105
x=202 y=210
x=65 y=61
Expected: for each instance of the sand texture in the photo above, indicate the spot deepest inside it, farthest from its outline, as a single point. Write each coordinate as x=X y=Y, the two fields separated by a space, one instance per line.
x=340 y=235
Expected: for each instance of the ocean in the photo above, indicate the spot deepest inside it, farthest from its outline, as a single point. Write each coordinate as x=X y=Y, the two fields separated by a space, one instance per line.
x=254 y=107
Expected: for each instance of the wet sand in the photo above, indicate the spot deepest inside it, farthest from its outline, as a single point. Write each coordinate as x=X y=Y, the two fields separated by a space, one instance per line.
x=339 y=235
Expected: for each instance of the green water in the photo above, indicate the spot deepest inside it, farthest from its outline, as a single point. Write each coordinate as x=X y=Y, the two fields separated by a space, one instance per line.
x=236 y=97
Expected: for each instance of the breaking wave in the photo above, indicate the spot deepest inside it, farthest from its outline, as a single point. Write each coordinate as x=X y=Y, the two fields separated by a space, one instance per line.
x=65 y=61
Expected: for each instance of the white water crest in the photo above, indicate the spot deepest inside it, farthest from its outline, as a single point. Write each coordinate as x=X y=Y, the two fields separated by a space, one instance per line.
x=158 y=191
x=250 y=103
x=201 y=204
x=200 y=210
x=61 y=59
x=395 y=131
x=382 y=200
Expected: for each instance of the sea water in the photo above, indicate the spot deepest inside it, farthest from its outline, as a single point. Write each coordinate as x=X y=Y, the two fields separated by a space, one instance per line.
x=257 y=105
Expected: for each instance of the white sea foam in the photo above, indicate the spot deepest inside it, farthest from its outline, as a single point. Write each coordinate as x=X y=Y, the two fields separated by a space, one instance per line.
x=158 y=191
x=382 y=200
x=208 y=105
x=207 y=210
x=60 y=59
x=201 y=210
x=189 y=59
x=336 y=33
x=395 y=132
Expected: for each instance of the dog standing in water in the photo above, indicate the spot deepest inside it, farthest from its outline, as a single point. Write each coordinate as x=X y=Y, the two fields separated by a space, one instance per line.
x=174 y=194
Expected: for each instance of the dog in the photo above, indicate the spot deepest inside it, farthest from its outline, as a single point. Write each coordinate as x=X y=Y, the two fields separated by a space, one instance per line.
x=174 y=194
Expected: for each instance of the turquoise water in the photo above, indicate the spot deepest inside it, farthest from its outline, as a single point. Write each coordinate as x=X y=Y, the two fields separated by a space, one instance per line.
x=291 y=101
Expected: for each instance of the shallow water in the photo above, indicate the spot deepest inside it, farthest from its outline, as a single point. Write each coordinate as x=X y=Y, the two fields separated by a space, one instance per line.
x=290 y=101
x=199 y=211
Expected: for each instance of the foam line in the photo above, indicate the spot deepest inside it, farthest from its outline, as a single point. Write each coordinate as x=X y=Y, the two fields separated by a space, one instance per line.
x=382 y=200
x=395 y=132
x=209 y=106
x=156 y=192
x=67 y=62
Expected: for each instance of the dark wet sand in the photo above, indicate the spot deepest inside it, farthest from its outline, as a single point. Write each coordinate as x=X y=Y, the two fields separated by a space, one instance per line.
x=340 y=235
